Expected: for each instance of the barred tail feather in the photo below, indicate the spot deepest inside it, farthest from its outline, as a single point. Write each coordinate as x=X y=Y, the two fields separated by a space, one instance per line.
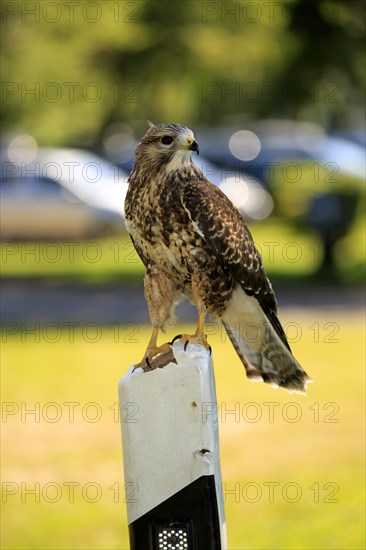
x=252 y=373
x=262 y=352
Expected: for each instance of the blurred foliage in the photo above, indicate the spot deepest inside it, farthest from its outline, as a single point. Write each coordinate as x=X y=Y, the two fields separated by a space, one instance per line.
x=329 y=202
x=97 y=62
x=305 y=180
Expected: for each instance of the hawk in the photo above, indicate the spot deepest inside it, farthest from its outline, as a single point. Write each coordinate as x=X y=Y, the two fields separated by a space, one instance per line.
x=195 y=244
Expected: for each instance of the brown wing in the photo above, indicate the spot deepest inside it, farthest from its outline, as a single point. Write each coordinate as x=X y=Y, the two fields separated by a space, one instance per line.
x=223 y=228
x=141 y=255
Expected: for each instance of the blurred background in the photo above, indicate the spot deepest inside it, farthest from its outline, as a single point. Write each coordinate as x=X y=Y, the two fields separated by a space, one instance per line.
x=274 y=92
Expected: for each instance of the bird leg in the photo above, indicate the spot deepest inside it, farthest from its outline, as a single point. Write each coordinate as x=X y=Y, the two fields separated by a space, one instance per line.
x=198 y=337
x=160 y=297
x=155 y=357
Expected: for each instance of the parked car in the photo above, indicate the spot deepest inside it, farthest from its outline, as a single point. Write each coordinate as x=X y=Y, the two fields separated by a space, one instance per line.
x=61 y=194
x=281 y=142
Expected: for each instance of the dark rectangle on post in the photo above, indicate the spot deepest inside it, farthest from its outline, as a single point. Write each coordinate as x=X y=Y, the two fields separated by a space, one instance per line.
x=188 y=520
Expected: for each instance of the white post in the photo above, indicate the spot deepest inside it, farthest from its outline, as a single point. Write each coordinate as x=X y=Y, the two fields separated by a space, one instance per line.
x=171 y=454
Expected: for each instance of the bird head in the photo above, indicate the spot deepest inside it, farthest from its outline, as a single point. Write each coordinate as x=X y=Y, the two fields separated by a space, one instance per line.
x=168 y=144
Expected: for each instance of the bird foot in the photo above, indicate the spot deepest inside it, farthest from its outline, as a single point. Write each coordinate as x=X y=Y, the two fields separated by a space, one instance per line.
x=192 y=339
x=156 y=358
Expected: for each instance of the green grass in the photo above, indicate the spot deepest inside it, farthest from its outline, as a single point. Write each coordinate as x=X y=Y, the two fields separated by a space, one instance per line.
x=320 y=454
x=101 y=260
x=288 y=254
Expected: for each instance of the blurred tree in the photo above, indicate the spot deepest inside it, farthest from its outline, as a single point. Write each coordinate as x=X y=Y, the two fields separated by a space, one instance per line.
x=327 y=73
x=329 y=204
x=68 y=73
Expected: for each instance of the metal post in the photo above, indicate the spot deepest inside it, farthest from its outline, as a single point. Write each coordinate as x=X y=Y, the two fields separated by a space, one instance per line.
x=171 y=455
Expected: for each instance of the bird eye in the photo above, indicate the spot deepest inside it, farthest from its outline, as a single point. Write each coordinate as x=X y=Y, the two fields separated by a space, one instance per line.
x=167 y=140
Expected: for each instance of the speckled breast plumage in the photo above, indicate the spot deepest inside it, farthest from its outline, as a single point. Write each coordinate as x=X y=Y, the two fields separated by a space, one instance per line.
x=165 y=237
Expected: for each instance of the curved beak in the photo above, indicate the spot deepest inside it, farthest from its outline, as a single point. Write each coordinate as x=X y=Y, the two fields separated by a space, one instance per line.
x=194 y=147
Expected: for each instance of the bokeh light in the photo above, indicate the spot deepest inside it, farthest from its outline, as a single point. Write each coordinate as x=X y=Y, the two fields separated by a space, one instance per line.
x=248 y=196
x=245 y=145
x=22 y=149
